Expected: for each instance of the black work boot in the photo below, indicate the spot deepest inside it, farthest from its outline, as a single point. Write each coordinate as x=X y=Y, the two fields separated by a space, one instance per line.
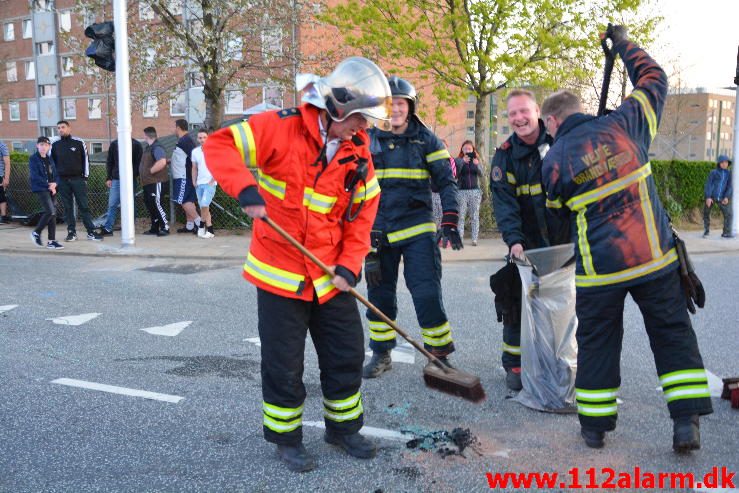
x=379 y=364
x=355 y=444
x=593 y=438
x=686 y=434
x=296 y=457
x=445 y=360
x=513 y=378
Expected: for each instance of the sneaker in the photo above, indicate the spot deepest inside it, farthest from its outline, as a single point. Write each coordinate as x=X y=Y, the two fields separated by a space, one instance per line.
x=208 y=235
x=72 y=236
x=184 y=229
x=36 y=239
x=94 y=236
x=201 y=232
x=163 y=232
x=105 y=232
x=53 y=245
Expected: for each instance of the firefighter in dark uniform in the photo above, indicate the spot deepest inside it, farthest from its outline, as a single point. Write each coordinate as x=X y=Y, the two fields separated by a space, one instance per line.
x=520 y=210
x=309 y=159
x=405 y=158
x=599 y=182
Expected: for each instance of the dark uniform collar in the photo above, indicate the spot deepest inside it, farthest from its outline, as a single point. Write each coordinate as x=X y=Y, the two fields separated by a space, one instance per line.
x=522 y=149
x=414 y=127
x=571 y=122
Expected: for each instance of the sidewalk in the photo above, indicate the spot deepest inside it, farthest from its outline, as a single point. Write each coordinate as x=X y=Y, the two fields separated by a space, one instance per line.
x=15 y=239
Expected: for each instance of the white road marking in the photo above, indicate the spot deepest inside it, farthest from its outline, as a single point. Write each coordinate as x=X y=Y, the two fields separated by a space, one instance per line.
x=118 y=390
x=404 y=353
x=369 y=431
x=7 y=308
x=74 y=319
x=169 y=330
x=254 y=340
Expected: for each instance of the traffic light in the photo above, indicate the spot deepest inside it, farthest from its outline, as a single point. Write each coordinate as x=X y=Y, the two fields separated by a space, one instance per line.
x=102 y=48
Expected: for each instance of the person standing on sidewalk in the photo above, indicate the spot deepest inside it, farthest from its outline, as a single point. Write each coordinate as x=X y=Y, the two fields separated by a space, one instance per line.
x=718 y=191
x=520 y=208
x=184 y=190
x=42 y=174
x=205 y=186
x=70 y=156
x=470 y=195
x=113 y=182
x=153 y=172
x=4 y=182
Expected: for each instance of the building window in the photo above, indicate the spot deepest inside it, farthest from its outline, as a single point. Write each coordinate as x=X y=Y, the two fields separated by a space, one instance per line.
x=42 y=4
x=234 y=103
x=470 y=115
x=45 y=48
x=271 y=44
x=47 y=90
x=48 y=132
x=1 y=112
x=88 y=17
x=32 y=110
x=70 y=109
x=30 y=71
x=96 y=147
x=18 y=147
x=234 y=49
x=178 y=105
x=15 y=111
x=708 y=135
x=67 y=66
x=8 y=31
x=196 y=79
x=94 y=111
x=175 y=7
x=11 y=71
x=145 y=11
x=65 y=21
x=27 y=28
x=470 y=130
x=272 y=95
x=151 y=107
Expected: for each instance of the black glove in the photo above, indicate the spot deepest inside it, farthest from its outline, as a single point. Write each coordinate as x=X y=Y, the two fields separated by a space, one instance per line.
x=617 y=34
x=692 y=286
x=372 y=270
x=448 y=232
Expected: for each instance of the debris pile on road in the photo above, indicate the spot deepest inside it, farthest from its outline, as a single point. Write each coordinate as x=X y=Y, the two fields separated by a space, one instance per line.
x=444 y=442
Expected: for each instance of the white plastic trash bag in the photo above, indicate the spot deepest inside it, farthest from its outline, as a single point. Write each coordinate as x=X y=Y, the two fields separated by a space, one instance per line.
x=548 y=325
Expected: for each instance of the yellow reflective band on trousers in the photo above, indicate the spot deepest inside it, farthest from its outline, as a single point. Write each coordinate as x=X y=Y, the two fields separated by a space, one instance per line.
x=323 y=286
x=643 y=100
x=272 y=186
x=317 y=202
x=367 y=192
x=528 y=190
x=597 y=402
x=510 y=177
x=514 y=350
x=343 y=409
x=585 y=281
x=380 y=331
x=583 y=245
x=646 y=207
x=440 y=154
x=282 y=419
x=273 y=276
x=406 y=233
x=579 y=202
x=402 y=173
x=685 y=384
x=437 y=336
x=244 y=140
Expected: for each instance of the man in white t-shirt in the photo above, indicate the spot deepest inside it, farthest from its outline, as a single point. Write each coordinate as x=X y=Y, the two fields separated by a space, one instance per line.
x=205 y=186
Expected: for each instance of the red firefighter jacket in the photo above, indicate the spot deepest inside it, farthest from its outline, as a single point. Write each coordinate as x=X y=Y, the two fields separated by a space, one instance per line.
x=306 y=198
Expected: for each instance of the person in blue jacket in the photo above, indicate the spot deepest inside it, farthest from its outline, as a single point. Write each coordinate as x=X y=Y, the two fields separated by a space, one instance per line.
x=42 y=173
x=405 y=157
x=718 y=191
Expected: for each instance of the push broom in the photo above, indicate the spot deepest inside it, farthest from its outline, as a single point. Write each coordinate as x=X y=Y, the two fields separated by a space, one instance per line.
x=437 y=375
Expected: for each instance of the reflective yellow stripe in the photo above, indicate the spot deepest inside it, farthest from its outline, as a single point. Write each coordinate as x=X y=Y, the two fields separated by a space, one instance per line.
x=317 y=202
x=535 y=189
x=514 y=350
x=528 y=189
x=687 y=392
x=511 y=177
x=282 y=426
x=404 y=234
x=323 y=286
x=436 y=331
x=273 y=276
x=597 y=410
x=583 y=245
x=402 y=173
x=353 y=414
x=554 y=204
x=646 y=207
x=438 y=341
x=282 y=412
x=648 y=111
x=440 y=154
x=683 y=376
x=580 y=201
x=342 y=404
x=380 y=331
x=627 y=274
x=272 y=186
x=282 y=419
x=600 y=395
x=244 y=139
x=367 y=192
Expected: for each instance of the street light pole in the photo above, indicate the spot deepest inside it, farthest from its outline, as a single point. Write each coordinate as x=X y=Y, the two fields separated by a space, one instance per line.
x=123 y=107
x=734 y=174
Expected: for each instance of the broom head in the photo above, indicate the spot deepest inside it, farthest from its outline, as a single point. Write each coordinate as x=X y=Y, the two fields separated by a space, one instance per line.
x=454 y=382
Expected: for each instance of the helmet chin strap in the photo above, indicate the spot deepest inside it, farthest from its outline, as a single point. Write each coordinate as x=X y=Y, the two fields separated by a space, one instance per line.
x=321 y=158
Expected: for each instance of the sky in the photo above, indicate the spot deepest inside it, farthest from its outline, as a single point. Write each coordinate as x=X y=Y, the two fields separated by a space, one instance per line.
x=702 y=36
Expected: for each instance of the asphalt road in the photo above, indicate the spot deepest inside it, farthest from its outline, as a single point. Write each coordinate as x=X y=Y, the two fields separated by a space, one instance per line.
x=207 y=437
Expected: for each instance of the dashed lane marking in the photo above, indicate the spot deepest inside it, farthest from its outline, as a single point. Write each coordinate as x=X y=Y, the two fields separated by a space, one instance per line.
x=118 y=390
x=169 y=330
x=369 y=431
x=74 y=319
x=7 y=308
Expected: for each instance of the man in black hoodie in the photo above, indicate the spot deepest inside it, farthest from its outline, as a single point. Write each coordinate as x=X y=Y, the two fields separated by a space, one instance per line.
x=70 y=155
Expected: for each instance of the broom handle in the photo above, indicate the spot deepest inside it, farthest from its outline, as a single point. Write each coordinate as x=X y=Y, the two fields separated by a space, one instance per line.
x=355 y=293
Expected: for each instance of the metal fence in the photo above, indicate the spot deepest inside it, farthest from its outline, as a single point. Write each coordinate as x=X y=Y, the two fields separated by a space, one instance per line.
x=225 y=211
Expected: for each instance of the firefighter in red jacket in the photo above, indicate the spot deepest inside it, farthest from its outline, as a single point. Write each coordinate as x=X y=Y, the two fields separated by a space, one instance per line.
x=316 y=180
x=599 y=183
